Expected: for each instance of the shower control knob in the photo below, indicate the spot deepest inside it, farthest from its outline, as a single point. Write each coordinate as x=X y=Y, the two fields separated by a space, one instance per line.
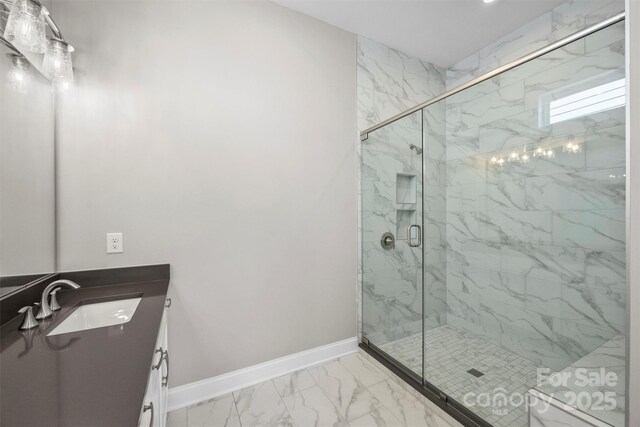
x=388 y=241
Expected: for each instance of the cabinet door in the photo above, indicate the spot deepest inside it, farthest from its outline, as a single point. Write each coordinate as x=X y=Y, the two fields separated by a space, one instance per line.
x=163 y=384
x=154 y=409
x=149 y=414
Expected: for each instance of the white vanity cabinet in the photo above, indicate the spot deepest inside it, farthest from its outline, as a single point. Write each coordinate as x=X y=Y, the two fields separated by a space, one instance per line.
x=154 y=407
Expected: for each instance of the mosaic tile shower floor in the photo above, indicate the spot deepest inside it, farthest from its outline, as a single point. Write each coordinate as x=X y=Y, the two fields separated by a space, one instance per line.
x=450 y=353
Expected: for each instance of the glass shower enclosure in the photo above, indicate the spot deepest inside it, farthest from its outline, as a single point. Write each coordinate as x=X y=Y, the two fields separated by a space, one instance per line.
x=493 y=237
x=392 y=230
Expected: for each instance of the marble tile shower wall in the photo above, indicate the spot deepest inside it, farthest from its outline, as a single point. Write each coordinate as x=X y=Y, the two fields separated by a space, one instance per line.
x=535 y=259
x=561 y=21
x=388 y=83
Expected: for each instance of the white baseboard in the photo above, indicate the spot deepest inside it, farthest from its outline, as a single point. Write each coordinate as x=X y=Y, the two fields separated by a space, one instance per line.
x=199 y=391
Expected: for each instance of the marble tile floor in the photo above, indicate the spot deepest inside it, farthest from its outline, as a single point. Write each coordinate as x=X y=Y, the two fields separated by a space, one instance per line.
x=354 y=391
x=450 y=353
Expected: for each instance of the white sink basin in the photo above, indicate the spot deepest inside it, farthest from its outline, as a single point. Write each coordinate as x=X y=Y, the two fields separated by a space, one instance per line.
x=98 y=315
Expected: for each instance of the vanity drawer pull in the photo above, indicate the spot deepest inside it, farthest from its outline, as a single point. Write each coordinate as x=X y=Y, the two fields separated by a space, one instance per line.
x=145 y=408
x=157 y=366
x=165 y=379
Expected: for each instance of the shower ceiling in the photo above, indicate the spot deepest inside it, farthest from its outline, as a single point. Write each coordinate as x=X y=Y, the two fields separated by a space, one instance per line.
x=442 y=32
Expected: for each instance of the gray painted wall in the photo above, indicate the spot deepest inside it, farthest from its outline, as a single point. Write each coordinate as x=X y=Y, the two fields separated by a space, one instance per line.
x=218 y=137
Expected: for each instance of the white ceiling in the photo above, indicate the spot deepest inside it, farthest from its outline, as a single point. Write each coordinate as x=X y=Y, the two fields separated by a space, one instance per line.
x=439 y=31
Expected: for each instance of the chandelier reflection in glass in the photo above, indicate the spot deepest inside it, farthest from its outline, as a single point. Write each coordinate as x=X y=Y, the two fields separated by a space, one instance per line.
x=19 y=76
x=524 y=154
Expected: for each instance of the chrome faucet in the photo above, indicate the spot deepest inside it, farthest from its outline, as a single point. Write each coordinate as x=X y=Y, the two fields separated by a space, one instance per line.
x=45 y=309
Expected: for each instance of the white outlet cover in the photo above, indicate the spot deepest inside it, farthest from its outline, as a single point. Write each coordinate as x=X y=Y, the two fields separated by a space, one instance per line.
x=114 y=243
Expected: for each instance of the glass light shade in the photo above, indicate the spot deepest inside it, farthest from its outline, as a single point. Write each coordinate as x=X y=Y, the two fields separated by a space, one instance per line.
x=19 y=77
x=26 y=26
x=57 y=64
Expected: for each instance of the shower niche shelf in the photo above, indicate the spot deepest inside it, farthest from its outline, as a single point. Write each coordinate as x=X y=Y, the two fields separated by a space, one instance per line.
x=406 y=189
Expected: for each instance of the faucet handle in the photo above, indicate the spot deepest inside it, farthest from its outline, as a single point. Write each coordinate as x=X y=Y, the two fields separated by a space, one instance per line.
x=29 y=322
x=53 y=304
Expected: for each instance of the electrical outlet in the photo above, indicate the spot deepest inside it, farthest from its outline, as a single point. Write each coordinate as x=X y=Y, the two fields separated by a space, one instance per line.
x=114 y=243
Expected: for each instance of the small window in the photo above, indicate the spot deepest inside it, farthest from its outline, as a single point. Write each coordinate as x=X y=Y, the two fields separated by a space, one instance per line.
x=594 y=100
x=598 y=93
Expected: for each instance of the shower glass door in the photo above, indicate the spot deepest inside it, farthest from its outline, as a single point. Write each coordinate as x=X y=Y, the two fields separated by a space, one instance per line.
x=392 y=241
x=535 y=236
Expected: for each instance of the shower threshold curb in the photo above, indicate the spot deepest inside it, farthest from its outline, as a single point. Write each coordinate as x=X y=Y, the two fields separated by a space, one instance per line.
x=451 y=407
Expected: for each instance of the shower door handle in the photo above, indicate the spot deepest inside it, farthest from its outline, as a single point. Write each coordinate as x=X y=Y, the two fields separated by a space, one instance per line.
x=410 y=240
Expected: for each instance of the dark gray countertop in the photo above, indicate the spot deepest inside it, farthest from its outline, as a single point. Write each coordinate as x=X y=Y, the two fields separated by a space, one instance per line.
x=95 y=377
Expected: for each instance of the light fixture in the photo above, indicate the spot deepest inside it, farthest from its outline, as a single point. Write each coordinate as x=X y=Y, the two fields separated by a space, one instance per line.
x=488 y=1
x=56 y=64
x=26 y=26
x=19 y=73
